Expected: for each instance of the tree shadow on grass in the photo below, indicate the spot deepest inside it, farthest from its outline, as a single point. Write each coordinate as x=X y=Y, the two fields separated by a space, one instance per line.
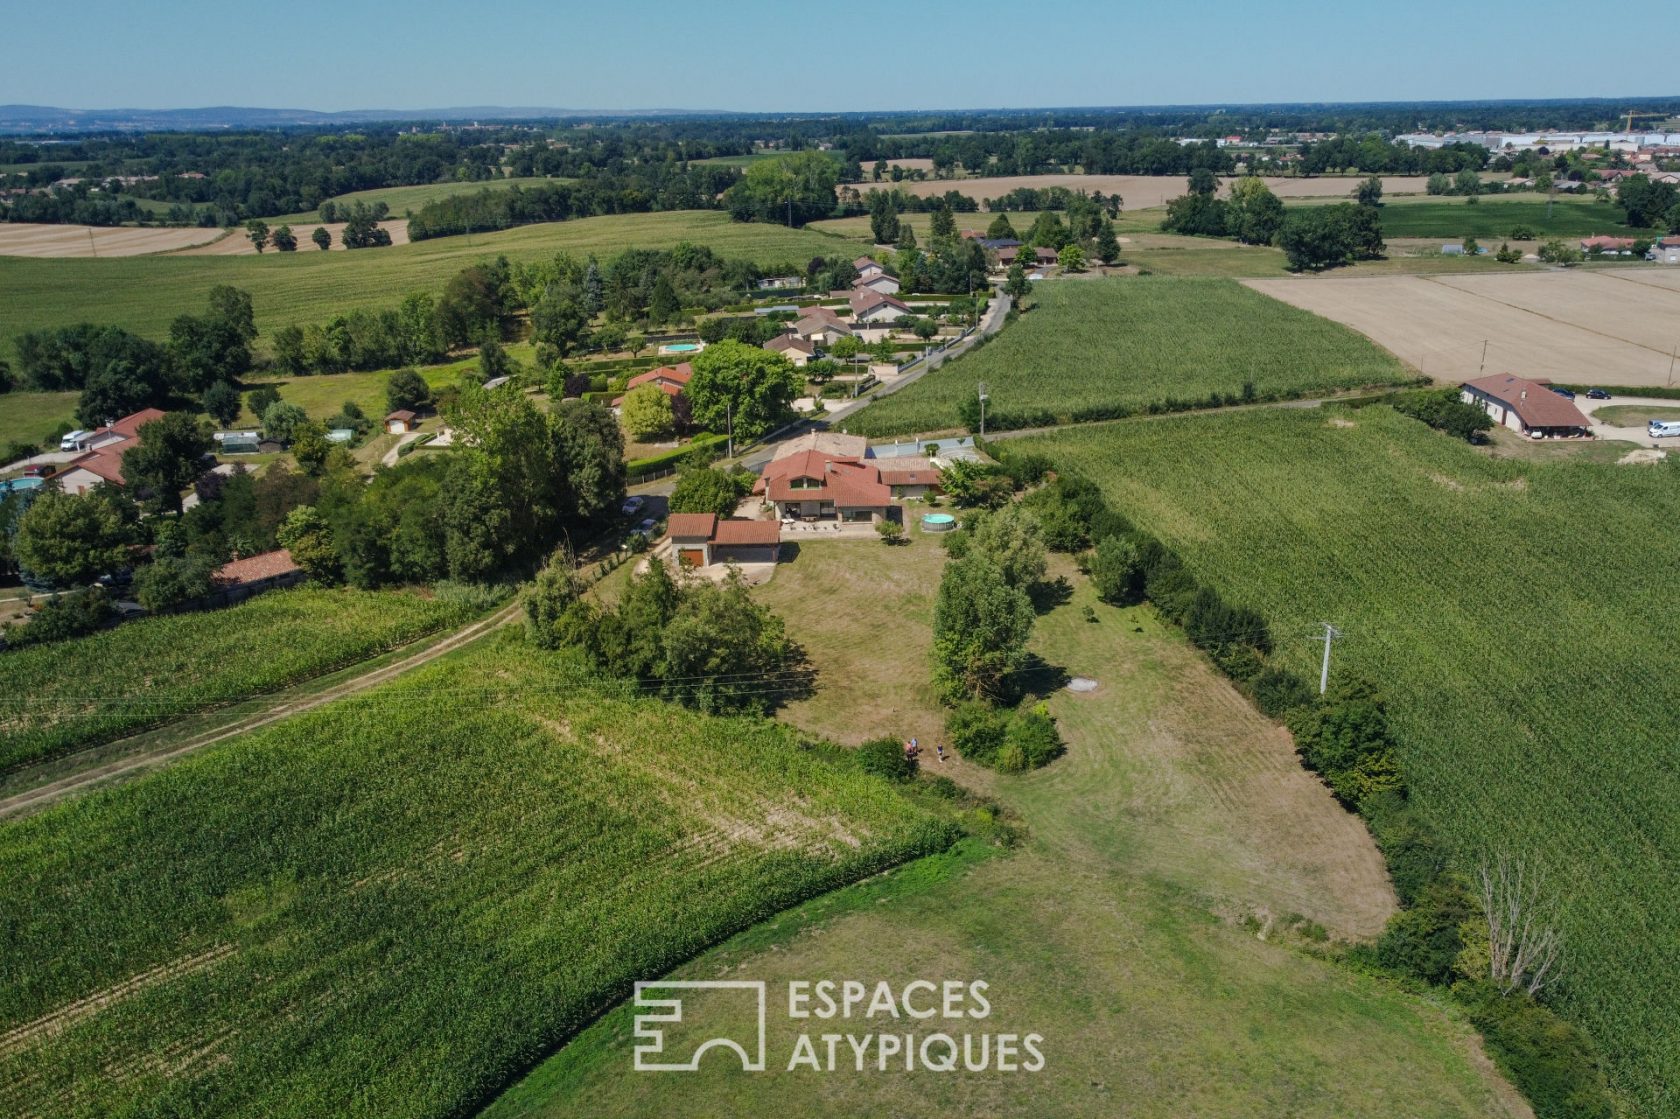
x=1049 y=594
x=1038 y=677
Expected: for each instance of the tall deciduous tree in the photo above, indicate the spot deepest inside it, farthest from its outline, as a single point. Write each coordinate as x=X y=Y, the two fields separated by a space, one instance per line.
x=322 y=239
x=744 y=385
x=70 y=540
x=221 y=403
x=168 y=458
x=283 y=239
x=980 y=629
x=257 y=231
x=646 y=412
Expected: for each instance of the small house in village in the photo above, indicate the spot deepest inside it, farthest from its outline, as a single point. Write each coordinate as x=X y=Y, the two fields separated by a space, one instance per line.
x=668 y=379
x=796 y=349
x=881 y=283
x=869 y=307
x=401 y=422
x=867 y=267
x=1525 y=406
x=103 y=449
x=243 y=578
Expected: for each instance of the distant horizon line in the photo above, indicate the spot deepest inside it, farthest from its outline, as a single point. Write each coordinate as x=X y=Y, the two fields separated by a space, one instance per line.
x=556 y=110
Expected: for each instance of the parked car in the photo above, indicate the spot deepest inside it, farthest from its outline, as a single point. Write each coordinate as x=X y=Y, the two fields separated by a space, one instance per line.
x=646 y=527
x=632 y=506
x=1597 y=394
x=40 y=470
x=1563 y=392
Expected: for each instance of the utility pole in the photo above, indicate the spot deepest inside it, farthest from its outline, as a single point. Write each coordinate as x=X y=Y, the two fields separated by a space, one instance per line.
x=729 y=416
x=1483 y=364
x=982 y=409
x=1330 y=633
x=1671 y=356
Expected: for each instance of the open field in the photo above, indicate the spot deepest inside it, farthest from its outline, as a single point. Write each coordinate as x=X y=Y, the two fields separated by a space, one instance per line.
x=391 y=906
x=1511 y=610
x=144 y=295
x=65 y=695
x=402 y=199
x=29 y=417
x=1132 y=342
x=1611 y=326
x=31 y=240
x=1114 y=931
x=1634 y=415
x=1148 y=190
x=1495 y=216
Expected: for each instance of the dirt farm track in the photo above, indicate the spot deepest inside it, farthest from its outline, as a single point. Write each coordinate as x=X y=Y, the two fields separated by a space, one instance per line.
x=1614 y=326
x=25 y=239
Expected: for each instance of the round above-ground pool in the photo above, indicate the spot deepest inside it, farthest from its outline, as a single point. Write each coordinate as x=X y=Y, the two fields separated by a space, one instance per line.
x=938 y=522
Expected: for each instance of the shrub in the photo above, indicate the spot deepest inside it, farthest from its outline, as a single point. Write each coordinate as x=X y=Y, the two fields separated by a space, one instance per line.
x=1117 y=570
x=976 y=730
x=1277 y=691
x=1424 y=941
x=64 y=616
x=1553 y=1064
x=1030 y=741
x=885 y=757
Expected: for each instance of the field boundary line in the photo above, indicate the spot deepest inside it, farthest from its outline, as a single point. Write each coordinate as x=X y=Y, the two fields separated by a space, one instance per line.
x=57 y=1021
x=51 y=792
x=1442 y=281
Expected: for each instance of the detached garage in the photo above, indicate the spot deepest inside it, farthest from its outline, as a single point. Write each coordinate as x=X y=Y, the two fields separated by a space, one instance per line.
x=703 y=539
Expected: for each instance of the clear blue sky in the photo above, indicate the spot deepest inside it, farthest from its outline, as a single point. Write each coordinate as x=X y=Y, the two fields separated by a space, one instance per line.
x=799 y=56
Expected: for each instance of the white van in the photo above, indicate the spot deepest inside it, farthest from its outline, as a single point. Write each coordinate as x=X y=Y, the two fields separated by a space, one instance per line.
x=73 y=441
x=1659 y=428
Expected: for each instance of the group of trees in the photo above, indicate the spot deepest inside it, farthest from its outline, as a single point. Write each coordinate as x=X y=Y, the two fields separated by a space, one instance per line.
x=632 y=189
x=119 y=373
x=708 y=645
x=1648 y=204
x=1312 y=237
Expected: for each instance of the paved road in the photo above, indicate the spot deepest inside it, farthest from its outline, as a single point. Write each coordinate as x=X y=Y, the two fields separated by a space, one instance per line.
x=990 y=323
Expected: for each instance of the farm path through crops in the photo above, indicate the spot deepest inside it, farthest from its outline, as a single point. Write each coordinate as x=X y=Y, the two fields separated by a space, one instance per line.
x=73 y=784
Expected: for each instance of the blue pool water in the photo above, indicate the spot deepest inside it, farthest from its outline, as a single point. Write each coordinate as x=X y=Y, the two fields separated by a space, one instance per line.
x=938 y=522
x=680 y=348
x=18 y=485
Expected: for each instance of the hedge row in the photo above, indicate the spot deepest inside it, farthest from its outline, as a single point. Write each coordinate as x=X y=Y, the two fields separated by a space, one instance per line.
x=638 y=469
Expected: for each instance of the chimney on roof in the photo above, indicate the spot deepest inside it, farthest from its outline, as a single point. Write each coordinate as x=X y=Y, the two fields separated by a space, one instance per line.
x=1523 y=395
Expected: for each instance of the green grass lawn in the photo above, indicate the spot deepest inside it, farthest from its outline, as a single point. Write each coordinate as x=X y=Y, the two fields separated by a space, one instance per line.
x=1632 y=415
x=402 y=199
x=1132 y=342
x=1514 y=611
x=1174 y=803
x=390 y=906
x=144 y=294
x=30 y=417
x=1495 y=217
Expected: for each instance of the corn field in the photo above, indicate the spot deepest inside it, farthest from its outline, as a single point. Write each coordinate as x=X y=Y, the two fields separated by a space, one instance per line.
x=71 y=694
x=392 y=906
x=1520 y=616
x=1104 y=348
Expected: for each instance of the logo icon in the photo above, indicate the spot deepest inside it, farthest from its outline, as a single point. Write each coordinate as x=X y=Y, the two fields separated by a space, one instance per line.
x=650 y=1036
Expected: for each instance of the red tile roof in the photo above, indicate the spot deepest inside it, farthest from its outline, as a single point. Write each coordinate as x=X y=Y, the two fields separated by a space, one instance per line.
x=916 y=472
x=680 y=374
x=784 y=342
x=844 y=481
x=402 y=414
x=254 y=569
x=129 y=426
x=863 y=301
x=734 y=531
x=1603 y=242
x=105 y=462
x=1534 y=403
x=691 y=526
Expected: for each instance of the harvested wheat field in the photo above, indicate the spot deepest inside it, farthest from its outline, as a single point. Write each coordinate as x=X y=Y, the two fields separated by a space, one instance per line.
x=237 y=244
x=1141 y=191
x=29 y=239
x=1606 y=327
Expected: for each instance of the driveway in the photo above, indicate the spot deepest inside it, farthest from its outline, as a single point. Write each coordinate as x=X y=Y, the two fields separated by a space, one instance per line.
x=1629 y=434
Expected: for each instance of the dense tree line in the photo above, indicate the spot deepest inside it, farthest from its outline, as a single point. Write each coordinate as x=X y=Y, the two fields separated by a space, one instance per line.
x=635 y=190
x=119 y=373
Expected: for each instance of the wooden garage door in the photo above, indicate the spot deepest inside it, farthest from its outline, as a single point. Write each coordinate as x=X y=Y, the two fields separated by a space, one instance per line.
x=692 y=557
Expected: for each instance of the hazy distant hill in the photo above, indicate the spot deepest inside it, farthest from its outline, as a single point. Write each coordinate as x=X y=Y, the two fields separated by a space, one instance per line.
x=25 y=119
